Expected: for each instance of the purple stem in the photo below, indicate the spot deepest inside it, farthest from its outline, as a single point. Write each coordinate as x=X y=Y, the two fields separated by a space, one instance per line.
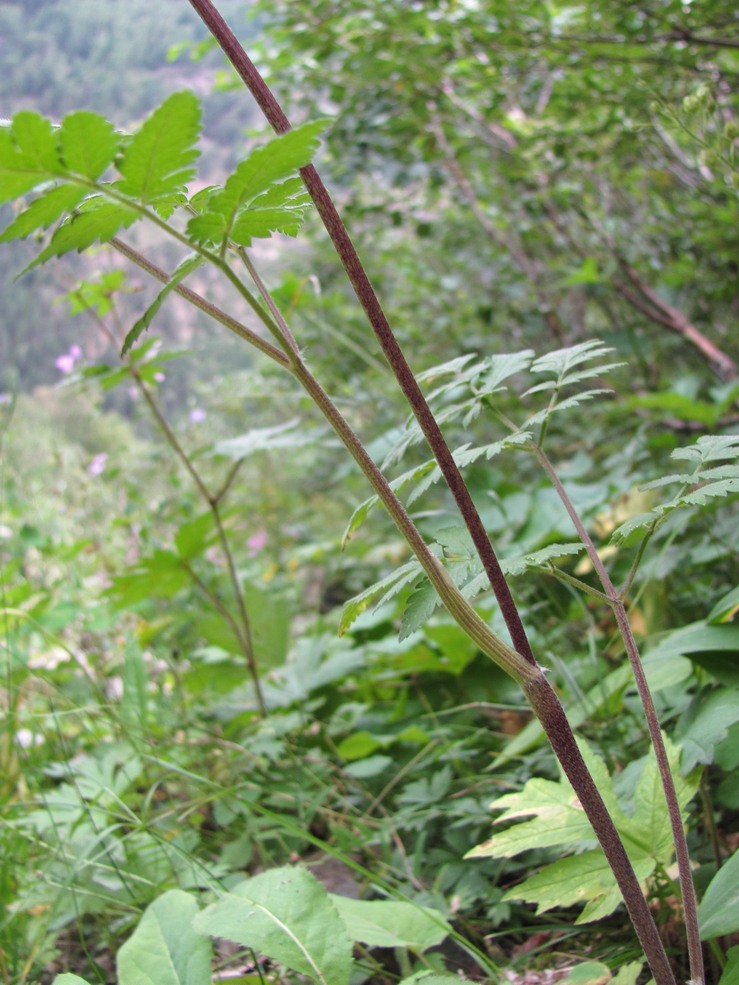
x=380 y=325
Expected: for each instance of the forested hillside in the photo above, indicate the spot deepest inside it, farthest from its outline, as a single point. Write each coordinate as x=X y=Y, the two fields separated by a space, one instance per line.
x=369 y=501
x=61 y=55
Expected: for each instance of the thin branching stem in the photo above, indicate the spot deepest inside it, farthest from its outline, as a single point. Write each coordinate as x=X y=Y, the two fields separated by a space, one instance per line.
x=690 y=902
x=376 y=316
x=245 y=634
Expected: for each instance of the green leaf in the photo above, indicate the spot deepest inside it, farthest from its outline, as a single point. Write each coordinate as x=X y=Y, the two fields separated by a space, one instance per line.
x=156 y=161
x=539 y=559
x=269 y=165
x=270 y=614
x=287 y=435
x=69 y=979
x=678 y=406
x=161 y=575
x=380 y=592
x=556 y=815
x=95 y=220
x=562 y=363
x=391 y=923
x=28 y=155
x=194 y=536
x=730 y=974
x=286 y=915
x=706 y=723
x=557 y=819
x=418 y=609
x=587 y=274
x=88 y=143
x=709 y=482
x=718 y=913
x=45 y=210
x=165 y=949
x=589 y=973
x=581 y=879
x=725 y=609
x=184 y=268
x=280 y=209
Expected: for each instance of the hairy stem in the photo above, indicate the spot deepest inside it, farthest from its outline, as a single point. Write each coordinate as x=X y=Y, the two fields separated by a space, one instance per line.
x=539 y=692
x=228 y=321
x=377 y=319
x=690 y=902
x=550 y=713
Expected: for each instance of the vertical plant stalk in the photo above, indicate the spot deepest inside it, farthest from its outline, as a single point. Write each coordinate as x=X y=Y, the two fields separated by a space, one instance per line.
x=542 y=697
x=616 y=601
x=379 y=323
x=539 y=692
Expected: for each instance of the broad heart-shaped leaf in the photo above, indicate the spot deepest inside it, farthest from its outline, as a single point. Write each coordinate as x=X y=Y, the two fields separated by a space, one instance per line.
x=88 y=143
x=391 y=923
x=156 y=161
x=269 y=165
x=68 y=979
x=286 y=915
x=718 y=913
x=165 y=949
x=183 y=269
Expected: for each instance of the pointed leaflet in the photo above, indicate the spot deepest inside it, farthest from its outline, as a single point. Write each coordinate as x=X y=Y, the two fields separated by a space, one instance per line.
x=286 y=915
x=95 y=220
x=280 y=209
x=382 y=591
x=183 y=269
x=155 y=163
x=28 y=155
x=274 y=162
x=558 y=819
x=43 y=211
x=88 y=143
x=714 y=482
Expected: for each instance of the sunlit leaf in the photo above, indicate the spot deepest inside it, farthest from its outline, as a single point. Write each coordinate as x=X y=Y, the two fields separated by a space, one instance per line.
x=156 y=161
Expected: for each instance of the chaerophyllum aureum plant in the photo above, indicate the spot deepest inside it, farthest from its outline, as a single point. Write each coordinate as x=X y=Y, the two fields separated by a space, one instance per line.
x=83 y=183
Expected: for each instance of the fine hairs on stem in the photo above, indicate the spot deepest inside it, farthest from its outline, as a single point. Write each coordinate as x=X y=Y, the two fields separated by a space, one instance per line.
x=539 y=692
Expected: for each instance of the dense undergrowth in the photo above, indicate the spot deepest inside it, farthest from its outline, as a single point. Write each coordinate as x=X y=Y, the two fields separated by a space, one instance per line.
x=232 y=702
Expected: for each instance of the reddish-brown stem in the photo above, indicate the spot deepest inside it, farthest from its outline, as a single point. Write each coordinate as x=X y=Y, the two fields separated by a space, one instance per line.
x=550 y=713
x=690 y=901
x=380 y=325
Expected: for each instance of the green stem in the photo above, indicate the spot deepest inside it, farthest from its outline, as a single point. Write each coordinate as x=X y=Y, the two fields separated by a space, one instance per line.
x=379 y=323
x=200 y=302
